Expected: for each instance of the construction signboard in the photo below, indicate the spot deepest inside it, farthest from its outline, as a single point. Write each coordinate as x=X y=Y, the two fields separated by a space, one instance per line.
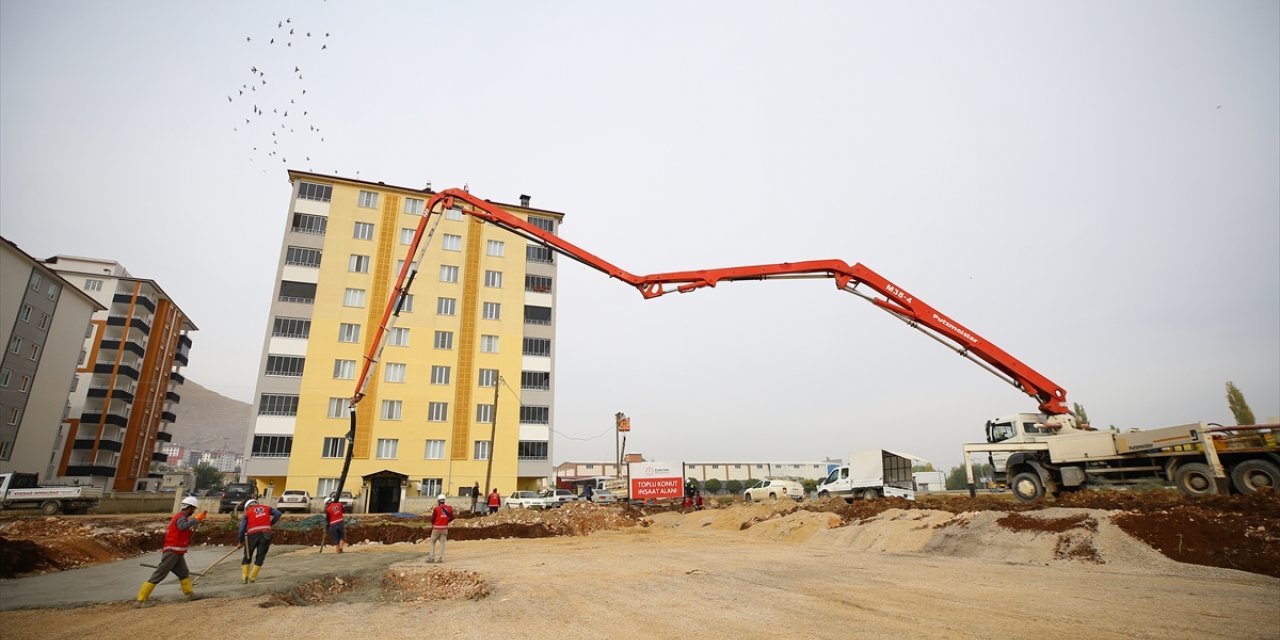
x=656 y=480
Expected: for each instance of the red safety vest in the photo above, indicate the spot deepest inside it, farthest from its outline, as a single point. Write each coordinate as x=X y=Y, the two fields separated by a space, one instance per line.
x=493 y=500
x=259 y=517
x=334 y=509
x=441 y=516
x=176 y=540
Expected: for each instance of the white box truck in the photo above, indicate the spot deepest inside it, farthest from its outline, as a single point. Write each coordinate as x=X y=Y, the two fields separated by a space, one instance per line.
x=868 y=475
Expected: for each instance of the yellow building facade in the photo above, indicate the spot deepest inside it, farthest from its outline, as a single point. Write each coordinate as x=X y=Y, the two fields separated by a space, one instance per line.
x=479 y=319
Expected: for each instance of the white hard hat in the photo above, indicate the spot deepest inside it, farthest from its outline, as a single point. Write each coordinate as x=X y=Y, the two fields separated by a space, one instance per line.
x=328 y=500
x=250 y=502
x=190 y=501
x=440 y=497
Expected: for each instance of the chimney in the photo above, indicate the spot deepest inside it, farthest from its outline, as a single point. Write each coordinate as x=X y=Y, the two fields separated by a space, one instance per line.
x=524 y=200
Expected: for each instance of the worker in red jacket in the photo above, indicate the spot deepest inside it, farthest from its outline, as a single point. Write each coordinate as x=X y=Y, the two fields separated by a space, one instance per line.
x=495 y=500
x=255 y=528
x=441 y=516
x=337 y=522
x=174 y=559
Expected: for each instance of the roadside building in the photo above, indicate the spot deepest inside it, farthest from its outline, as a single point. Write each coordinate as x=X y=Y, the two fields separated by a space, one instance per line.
x=480 y=320
x=43 y=321
x=128 y=379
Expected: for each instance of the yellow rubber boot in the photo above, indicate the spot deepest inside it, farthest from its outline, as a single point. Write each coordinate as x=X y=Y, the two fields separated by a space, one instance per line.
x=244 y=573
x=145 y=592
x=253 y=575
x=187 y=590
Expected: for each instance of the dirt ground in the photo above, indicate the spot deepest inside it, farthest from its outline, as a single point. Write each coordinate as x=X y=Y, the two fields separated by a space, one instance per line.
x=1095 y=564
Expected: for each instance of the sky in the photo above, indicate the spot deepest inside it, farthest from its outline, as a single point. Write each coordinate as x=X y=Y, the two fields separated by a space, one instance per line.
x=1092 y=186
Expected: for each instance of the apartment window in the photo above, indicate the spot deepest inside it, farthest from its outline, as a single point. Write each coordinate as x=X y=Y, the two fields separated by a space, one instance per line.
x=291 y=328
x=353 y=298
x=348 y=332
x=290 y=366
x=339 y=407
x=537 y=315
x=444 y=340
x=312 y=191
x=302 y=257
x=25 y=314
x=368 y=200
x=491 y=311
x=535 y=380
x=406 y=236
x=25 y=383
x=272 y=404
x=437 y=411
x=400 y=266
x=453 y=214
x=451 y=242
x=495 y=248
x=432 y=486
x=271 y=446
x=5 y=376
x=484 y=414
x=334 y=448
x=395 y=371
x=531 y=450
x=538 y=253
x=363 y=231
x=398 y=337
x=407 y=305
x=15 y=344
x=14 y=414
x=488 y=378
x=435 y=450
x=44 y=321
x=413 y=206
x=299 y=292
x=93 y=285
x=537 y=347
x=493 y=279
x=448 y=273
x=535 y=415
x=481 y=450
x=391 y=409
x=537 y=284
x=36 y=281
x=358 y=264
x=307 y=223
x=344 y=369
x=327 y=486
x=53 y=291
x=546 y=224
x=439 y=374
x=488 y=344
x=446 y=306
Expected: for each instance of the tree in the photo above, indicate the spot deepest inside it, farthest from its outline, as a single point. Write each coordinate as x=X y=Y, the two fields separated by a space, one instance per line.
x=712 y=486
x=1078 y=409
x=957 y=480
x=208 y=477
x=928 y=466
x=809 y=485
x=1239 y=408
x=733 y=486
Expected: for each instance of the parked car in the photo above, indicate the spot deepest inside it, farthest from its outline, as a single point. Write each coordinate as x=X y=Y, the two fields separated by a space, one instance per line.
x=557 y=497
x=234 y=495
x=772 y=489
x=348 y=501
x=525 y=500
x=294 y=500
x=600 y=496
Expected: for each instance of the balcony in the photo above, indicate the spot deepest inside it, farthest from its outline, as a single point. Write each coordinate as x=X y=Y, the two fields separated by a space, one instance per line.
x=137 y=323
x=116 y=394
x=159 y=456
x=181 y=357
x=184 y=340
x=103 y=445
x=91 y=470
x=174 y=376
x=172 y=397
x=108 y=368
x=143 y=301
x=164 y=436
x=130 y=346
x=114 y=419
x=155 y=475
x=168 y=416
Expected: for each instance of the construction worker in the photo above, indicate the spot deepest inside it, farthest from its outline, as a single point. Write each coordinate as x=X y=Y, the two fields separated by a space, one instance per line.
x=176 y=539
x=336 y=521
x=255 y=527
x=495 y=500
x=441 y=516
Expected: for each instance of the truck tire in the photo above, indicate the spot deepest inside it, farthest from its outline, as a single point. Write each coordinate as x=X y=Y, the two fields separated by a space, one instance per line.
x=1027 y=487
x=823 y=495
x=1251 y=475
x=870 y=494
x=746 y=497
x=50 y=507
x=1194 y=479
x=773 y=496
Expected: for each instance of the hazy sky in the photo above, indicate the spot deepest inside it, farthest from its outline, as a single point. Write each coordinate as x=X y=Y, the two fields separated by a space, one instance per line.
x=1092 y=186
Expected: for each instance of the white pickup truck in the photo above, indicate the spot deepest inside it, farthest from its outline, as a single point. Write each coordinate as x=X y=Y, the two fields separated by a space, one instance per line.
x=20 y=490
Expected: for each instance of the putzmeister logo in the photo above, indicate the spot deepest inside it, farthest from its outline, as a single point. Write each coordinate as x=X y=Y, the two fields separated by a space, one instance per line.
x=956 y=328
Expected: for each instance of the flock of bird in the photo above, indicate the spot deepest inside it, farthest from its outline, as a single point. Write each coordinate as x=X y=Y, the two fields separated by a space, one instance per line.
x=278 y=103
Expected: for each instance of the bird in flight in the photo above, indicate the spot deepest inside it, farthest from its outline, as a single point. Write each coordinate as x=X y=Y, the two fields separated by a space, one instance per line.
x=248 y=39
x=322 y=48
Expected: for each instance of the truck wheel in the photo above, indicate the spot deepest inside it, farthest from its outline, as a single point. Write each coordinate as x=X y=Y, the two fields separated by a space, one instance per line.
x=773 y=496
x=1026 y=486
x=823 y=495
x=50 y=507
x=746 y=497
x=1194 y=479
x=1251 y=475
x=870 y=494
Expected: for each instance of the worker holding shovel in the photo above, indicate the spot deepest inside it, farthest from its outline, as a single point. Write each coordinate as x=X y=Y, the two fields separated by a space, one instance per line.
x=336 y=521
x=176 y=540
x=255 y=528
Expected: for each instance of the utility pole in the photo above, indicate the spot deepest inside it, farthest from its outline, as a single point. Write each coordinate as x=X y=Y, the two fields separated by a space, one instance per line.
x=622 y=424
x=493 y=430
